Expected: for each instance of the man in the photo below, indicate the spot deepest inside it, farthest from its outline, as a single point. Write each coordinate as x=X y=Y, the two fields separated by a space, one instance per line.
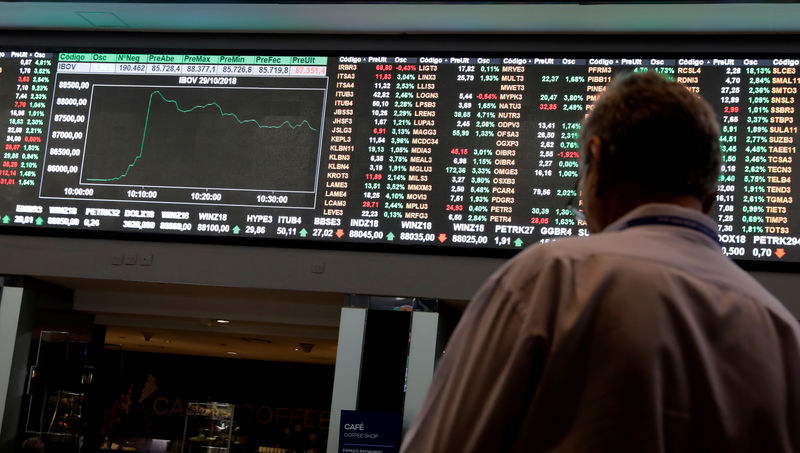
x=640 y=338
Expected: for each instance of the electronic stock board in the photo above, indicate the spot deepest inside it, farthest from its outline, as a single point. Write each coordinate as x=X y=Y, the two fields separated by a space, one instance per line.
x=441 y=152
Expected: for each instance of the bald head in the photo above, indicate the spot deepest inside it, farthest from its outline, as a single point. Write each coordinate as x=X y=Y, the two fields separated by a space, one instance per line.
x=658 y=138
x=647 y=140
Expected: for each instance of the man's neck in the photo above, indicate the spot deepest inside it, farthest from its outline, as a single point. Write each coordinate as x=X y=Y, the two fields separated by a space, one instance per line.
x=618 y=207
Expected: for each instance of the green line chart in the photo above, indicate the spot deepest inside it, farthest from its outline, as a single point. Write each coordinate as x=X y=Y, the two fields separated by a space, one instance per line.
x=192 y=137
x=205 y=106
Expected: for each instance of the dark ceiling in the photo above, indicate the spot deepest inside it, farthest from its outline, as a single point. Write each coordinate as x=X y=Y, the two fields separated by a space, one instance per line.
x=406 y=17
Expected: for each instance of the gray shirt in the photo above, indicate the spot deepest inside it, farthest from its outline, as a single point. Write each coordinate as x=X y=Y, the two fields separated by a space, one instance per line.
x=641 y=338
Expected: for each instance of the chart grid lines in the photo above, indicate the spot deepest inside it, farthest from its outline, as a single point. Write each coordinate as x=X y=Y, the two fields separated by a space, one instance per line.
x=177 y=107
x=86 y=181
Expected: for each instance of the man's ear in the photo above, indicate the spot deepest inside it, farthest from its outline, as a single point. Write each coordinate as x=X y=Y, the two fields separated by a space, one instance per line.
x=708 y=202
x=597 y=161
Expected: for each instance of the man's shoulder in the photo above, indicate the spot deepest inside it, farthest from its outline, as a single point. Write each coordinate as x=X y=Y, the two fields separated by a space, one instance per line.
x=567 y=249
x=555 y=258
x=634 y=254
x=631 y=258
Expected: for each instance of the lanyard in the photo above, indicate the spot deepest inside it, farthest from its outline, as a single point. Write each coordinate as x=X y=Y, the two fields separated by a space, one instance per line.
x=674 y=221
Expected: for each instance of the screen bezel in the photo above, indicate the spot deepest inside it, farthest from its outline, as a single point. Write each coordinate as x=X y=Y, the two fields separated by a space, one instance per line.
x=545 y=45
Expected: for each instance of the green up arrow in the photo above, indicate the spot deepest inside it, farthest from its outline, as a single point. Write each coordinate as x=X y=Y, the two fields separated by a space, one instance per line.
x=390 y=236
x=39 y=221
x=236 y=229
x=303 y=233
x=518 y=242
x=6 y=219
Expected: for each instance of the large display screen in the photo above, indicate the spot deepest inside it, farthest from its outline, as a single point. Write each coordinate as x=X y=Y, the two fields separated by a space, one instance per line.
x=444 y=152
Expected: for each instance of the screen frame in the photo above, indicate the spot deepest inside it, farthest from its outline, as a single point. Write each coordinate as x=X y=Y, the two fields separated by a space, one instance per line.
x=541 y=45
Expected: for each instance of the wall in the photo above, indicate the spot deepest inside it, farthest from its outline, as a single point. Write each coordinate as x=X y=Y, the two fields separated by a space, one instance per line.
x=396 y=274
x=358 y=272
